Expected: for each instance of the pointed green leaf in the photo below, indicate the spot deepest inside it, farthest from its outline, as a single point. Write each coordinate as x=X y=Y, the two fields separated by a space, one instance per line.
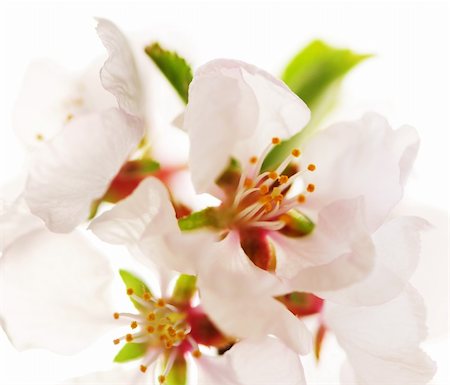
x=185 y=288
x=130 y=351
x=199 y=219
x=315 y=75
x=174 y=67
x=133 y=282
x=178 y=374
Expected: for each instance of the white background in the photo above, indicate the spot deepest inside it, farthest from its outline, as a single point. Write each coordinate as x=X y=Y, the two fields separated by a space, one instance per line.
x=407 y=81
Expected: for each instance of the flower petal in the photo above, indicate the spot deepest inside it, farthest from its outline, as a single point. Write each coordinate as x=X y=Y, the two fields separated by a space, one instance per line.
x=234 y=110
x=73 y=169
x=397 y=250
x=54 y=292
x=382 y=342
x=119 y=74
x=116 y=376
x=265 y=361
x=231 y=286
x=340 y=242
x=361 y=158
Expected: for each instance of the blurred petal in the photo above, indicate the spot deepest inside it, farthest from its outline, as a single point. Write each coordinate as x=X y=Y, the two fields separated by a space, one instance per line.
x=116 y=376
x=361 y=158
x=234 y=110
x=431 y=276
x=119 y=74
x=73 y=169
x=397 y=251
x=266 y=361
x=382 y=342
x=54 y=290
x=231 y=286
x=342 y=239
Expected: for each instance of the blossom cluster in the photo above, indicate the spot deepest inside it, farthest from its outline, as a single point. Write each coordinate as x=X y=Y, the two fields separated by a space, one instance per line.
x=299 y=244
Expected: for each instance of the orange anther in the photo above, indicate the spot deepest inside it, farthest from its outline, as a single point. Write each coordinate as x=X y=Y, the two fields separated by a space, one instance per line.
x=301 y=198
x=169 y=344
x=150 y=329
x=116 y=315
x=39 y=137
x=161 y=302
x=253 y=160
x=196 y=353
x=273 y=175
x=264 y=189
x=116 y=341
x=248 y=183
x=151 y=316
x=161 y=379
x=180 y=334
x=129 y=337
x=134 y=325
x=143 y=368
x=283 y=179
x=310 y=188
x=268 y=207
x=296 y=152
x=311 y=167
x=146 y=296
x=130 y=291
x=278 y=198
x=276 y=140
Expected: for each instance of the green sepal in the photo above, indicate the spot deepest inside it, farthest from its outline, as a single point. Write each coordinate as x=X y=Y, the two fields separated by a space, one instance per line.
x=174 y=67
x=297 y=224
x=178 y=373
x=130 y=351
x=185 y=288
x=315 y=75
x=199 y=219
x=133 y=282
x=148 y=165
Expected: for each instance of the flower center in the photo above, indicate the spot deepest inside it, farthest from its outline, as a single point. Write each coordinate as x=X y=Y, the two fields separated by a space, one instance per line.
x=261 y=198
x=161 y=327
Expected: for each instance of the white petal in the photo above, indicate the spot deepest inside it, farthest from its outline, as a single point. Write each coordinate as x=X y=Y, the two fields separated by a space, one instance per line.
x=434 y=262
x=119 y=74
x=146 y=220
x=148 y=206
x=55 y=292
x=69 y=172
x=342 y=239
x=234 y=110
x=238 y=297
x=397 y=250
x=116 y=376
x=48 y=95
x=382 y=342
x=361 y=158
x=265 y=361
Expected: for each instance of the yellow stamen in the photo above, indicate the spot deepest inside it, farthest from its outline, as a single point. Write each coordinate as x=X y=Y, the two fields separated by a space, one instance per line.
x=129 y=337
x=116 y=341
x=134 y=325
x=150 y=329
x=151 y=316
x=161 y=379
x=283 y=179
x=146 y=296
x=116 y=315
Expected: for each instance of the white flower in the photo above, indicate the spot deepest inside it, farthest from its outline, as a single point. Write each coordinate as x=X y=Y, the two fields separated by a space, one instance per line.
x=87 y=146
x=56 y=295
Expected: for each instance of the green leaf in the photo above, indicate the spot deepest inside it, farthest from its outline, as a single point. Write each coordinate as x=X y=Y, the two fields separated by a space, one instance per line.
x=315 y=75
x=199 y=219
x=178 y=373
x=130 y=351
x=174 y=67
x=132 y=282
x=185 y=288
